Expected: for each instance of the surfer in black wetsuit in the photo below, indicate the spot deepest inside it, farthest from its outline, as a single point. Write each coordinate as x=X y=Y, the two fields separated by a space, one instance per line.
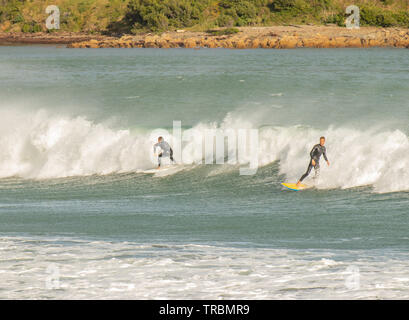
x=165 y=150
x=316 y=153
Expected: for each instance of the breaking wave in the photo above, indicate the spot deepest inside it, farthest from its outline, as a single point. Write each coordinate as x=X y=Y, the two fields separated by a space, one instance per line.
x=40 y=146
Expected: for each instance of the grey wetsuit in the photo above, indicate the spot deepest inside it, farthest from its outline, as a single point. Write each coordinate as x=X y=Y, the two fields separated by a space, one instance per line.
x=166 y=151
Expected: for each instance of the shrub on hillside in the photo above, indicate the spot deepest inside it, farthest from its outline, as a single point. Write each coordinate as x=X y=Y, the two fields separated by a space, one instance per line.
x=11 y=11
x=161 y=15
x=241 y=11
x=373 y=16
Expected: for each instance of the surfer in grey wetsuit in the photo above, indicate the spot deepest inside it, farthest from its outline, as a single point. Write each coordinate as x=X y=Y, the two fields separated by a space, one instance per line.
x=316 y=153
x=165 y=150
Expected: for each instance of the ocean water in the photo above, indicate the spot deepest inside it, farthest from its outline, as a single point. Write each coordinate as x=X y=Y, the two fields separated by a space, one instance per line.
x=83 y=216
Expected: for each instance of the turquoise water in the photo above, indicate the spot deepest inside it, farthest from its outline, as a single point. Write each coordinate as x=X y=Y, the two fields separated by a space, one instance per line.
x=75 y=140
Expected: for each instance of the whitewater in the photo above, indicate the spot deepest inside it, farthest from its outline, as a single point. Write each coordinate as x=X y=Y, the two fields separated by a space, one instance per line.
x=41 y=146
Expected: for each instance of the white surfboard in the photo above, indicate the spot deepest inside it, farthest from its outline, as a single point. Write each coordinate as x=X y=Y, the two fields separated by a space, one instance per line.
x=164 y=171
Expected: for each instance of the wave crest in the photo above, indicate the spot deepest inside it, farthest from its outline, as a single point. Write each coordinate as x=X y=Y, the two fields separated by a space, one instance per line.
x=42 y=146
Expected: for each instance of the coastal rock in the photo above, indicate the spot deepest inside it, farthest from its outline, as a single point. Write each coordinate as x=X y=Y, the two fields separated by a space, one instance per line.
x=375 y=42
x=189 y=43
x=92 y=44
x=124 y=44
x=240 y=44
x=273 y=43
x=337 y=42
x=403 y=43
x=266 y=37
x=227 y=43
x=288 y=42
x=161 y=43
x=264 y=43
x=210 y=43
x=150 y=41
x=316 y=42
x=254 y=44
x=126 y=38
x=353 y=43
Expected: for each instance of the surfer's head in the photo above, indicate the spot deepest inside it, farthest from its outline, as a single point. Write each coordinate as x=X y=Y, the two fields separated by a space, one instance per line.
x=322 y=141
x=160 y=139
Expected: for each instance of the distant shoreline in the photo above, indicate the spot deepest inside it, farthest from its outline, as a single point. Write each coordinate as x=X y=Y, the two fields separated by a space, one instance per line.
x=275 y=37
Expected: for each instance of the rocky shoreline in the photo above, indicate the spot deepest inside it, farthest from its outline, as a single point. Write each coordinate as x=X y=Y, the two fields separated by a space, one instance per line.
x=63 y=38
x=277 y=37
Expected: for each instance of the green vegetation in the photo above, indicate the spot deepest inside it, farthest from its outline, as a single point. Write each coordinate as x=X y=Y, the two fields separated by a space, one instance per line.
x=375 y=16
x=126 y=16
x=75 y=15
x=162 y=15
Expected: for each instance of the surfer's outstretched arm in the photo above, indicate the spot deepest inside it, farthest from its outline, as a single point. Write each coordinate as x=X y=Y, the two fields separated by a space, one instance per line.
x=325 y=154
x=171 y=156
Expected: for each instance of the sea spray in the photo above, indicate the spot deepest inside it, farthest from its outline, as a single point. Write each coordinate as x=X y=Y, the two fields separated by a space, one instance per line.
x=40 y=146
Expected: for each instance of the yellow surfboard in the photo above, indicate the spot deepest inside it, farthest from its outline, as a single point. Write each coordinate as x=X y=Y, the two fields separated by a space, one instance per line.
x=293 y=186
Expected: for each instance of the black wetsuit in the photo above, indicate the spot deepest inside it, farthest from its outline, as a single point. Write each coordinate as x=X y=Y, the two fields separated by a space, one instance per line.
x=315 y=154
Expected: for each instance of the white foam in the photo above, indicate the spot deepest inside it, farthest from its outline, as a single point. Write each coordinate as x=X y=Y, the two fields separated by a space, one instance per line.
x=116 y=270
x=358 y=157
x=39 y=145
x=366 y=157
x=43 y=146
